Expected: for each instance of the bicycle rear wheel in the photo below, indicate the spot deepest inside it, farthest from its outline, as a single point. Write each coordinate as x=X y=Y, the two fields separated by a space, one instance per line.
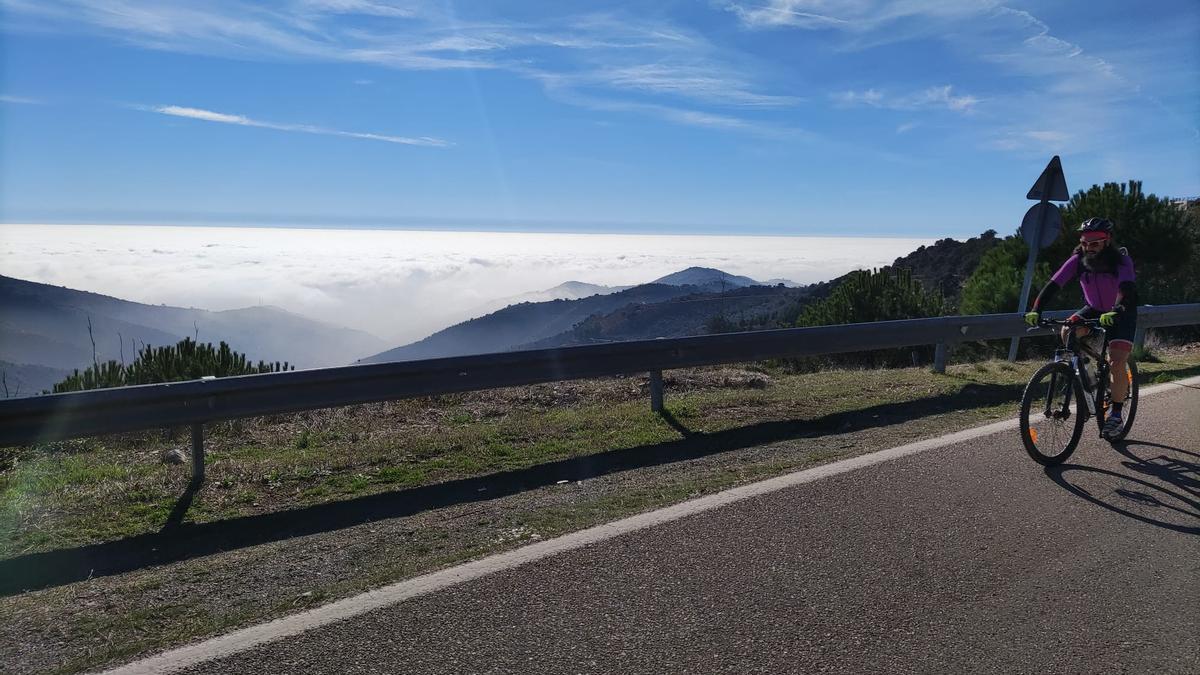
x=1131 y=403
x=1053 y=413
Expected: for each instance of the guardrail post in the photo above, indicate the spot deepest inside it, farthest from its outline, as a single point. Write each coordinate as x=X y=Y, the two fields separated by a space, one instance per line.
x=939 y=358
x=1139 y=337
x=197 y=452
x=656 y=391
x=1012 y=349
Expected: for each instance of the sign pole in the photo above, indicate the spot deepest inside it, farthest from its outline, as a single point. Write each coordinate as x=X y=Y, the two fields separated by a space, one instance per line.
x=1029 y=265
x=1040 y=227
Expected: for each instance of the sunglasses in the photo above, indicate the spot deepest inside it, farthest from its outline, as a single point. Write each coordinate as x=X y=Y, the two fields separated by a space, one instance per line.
x=1092 y=243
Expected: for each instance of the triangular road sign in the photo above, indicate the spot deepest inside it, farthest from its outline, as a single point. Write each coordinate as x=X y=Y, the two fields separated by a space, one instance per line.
x=1052 y=185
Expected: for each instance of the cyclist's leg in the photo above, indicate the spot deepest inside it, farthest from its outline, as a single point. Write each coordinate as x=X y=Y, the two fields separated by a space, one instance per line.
x=1120 y=344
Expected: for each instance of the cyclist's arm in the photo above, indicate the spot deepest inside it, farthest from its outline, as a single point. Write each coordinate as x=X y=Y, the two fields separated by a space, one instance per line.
x=1126 y=287
x=1059 y=279
x=1046 y=295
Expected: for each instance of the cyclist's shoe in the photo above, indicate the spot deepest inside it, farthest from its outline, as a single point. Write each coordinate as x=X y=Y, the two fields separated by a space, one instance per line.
x=1112 y=426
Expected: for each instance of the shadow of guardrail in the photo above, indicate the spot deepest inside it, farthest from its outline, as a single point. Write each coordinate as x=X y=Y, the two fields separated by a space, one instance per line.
x=179 y=541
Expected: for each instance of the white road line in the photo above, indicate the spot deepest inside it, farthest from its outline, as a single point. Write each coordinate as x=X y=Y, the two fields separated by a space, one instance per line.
x=247 y=638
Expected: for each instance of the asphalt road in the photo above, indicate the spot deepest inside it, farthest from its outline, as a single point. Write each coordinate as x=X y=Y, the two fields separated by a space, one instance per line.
x=967 y=558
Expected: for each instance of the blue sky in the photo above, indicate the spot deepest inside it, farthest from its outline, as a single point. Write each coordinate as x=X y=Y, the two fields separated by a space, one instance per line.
x=860 y=117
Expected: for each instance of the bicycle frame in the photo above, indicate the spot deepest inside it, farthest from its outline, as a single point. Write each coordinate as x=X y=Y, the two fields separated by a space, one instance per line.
x=1062 y=394
x=1093 y=391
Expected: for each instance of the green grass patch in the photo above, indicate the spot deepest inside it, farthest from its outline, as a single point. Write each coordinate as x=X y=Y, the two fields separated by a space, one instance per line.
x=106 y=490
x=103 y=489
x=401 y=475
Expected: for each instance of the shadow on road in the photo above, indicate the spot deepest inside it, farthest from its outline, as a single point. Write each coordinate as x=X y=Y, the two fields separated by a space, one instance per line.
x=182 y=505
x=1175 y=492
x=180 y=541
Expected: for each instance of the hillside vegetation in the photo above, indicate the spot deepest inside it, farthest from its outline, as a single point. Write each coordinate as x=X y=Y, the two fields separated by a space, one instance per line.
x=527 y=322
x=1162 y=239
x=982 y=275
x=187 y=360
x=749 y=308
x=44 y=330
x=615 y=314
x=944 y=266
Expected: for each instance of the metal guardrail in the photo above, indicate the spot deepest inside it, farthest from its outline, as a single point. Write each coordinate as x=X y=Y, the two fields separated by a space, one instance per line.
x=103 y=411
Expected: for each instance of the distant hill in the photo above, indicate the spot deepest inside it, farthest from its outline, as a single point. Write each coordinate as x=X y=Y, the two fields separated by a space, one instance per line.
x=43 y=329
x=18 y=379
x=526 y=322
x=663 y=308
x=707 y=278
x=573 y=290
x=784 y=282
x=945 y=265
x=740 y=309
x=569 y=290
x=43 y=325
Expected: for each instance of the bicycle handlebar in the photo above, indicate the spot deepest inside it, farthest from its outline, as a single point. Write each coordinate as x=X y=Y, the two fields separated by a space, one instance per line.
x=1089 y=323
x=1075 y=321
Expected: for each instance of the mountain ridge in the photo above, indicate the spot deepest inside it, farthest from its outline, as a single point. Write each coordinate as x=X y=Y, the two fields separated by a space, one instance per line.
x=45 y=327
x=530 y=323
x=514 y=325
x=48 y=326
x=945 y=265
x=716 y=302
x=705 y=277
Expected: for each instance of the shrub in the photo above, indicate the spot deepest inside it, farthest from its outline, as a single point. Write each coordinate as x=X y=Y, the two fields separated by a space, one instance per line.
x=187 y=360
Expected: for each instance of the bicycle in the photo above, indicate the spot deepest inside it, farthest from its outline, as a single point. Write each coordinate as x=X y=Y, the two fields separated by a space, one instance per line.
x=1064 y=384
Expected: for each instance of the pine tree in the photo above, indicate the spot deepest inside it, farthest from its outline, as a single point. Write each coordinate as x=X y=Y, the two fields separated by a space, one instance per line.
x=187 y=360
x=878 y=295
x=1163 y=240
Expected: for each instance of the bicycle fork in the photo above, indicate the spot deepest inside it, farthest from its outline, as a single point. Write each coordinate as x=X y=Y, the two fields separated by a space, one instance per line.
x=1060 y=408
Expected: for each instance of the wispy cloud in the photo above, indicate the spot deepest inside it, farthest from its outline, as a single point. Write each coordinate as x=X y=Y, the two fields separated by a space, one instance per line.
x=699 y=82
x=566 y=91
x=852 y=16
x=1034 y=51
x=941 y=96
x=362 y=7
x=793 y=13
x=1100 y=89
x=871 y=97
x=240 y=30
x=1032 y=141
x=933 y=97
x=21 y=100
x=613 y=54
x=226 y=118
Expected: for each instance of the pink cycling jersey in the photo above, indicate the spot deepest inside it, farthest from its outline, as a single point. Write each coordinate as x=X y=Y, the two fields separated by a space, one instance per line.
x=1099 y=289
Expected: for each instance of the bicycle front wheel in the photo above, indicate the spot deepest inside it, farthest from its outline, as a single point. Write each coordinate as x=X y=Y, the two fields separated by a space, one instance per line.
x=1053 y=413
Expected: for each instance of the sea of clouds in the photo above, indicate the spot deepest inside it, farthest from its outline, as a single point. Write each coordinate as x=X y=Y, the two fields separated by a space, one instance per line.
x=397 y=284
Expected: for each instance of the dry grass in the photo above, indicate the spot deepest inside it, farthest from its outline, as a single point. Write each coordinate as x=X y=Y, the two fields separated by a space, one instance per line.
x=395 y=489
x=100 y=489
x=92 y=490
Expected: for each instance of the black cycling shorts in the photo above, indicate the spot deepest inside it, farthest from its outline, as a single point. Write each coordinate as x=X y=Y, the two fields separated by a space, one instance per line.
x=1124 y=327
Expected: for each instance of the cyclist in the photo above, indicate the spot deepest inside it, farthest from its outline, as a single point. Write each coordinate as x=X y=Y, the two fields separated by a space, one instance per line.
x=1106 y=275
